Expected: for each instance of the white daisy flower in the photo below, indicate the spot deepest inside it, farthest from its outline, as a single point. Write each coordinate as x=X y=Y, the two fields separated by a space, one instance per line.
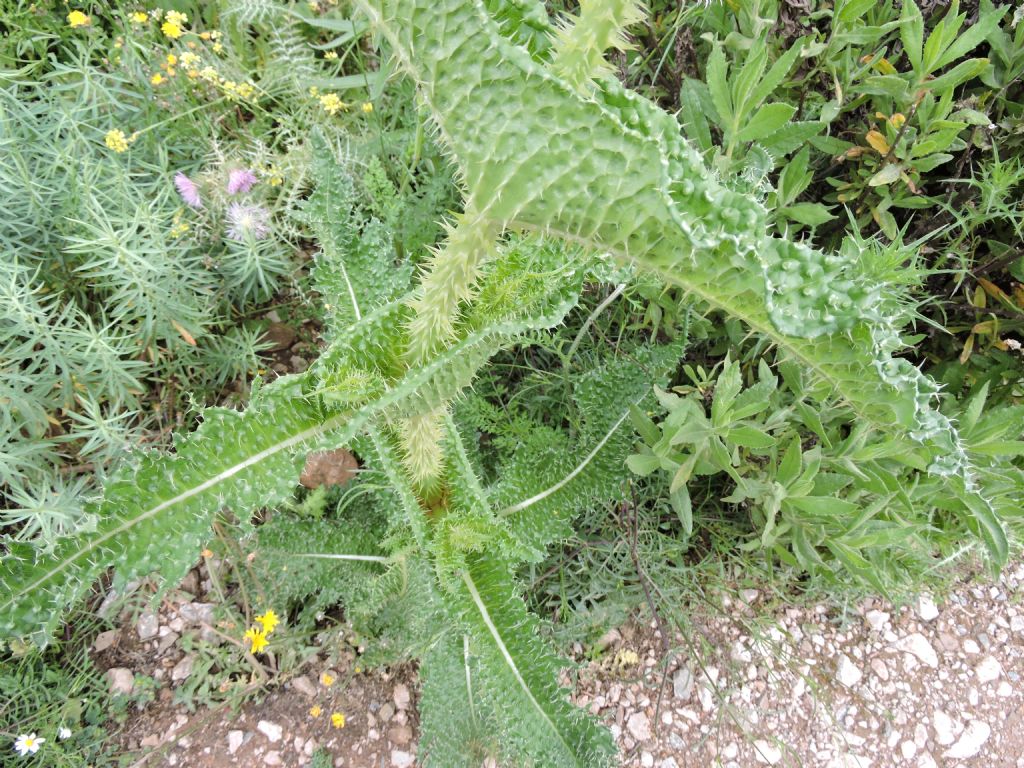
x=27 y=744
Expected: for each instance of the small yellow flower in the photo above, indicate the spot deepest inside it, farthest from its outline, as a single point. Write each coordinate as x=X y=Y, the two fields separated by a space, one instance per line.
x=269 y=620
x=257 y=637
x=218 y=48
x=315 y=711
x=179 y=229
x=204 y=35
x=156 y=79
x=116 y=140
x=171 y=30
x=331 y=55
x=177 y=17
x=215 y=35
x=171 y=59
x=327 y=679
x=78 y=19
x=314 y=91
x=207 y=553
x=367 y=107
x=332 y=104
x=337 y=720
x=139 y=17
x=189 y=59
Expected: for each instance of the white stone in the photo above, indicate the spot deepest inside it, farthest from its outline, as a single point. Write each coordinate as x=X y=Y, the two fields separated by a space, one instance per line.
x=682 y=683
x=400 y=759
x=730 y=751
x=235 y=739
x=988 y=669
x=917 y=645
x=849 y=674
x=303 y=685
x=908 y=749
x=926 y=761
x=766 y=752
x=272 y=758
x=646 y=760
x=970 y=742
x=971 y=647
x=876 y=619
x=1005 y=690
x=639 y=726
x=669 y=762
x=926 y=608
x=106 y=639
x=148 y=626
x=945 y=732
x=272 y=731
x=121 y=680
x=879 y=668
x=183 y=668
x=401 y=696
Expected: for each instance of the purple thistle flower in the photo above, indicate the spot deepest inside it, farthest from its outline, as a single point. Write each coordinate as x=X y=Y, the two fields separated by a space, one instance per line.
x=247 y=221
x=188 y=190
x=241 y=180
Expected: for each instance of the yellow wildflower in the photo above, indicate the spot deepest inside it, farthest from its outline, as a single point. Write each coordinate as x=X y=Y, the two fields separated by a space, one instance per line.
x=332 y=104
x=204 y=35
x=139 y=17
x=275 y=179
x=218 y=48
x=257 y=637
x=269 y=620
x=171 y=59
x=314 y=91
x=327 y=679
x=315 y=711
x=207 y=552
x=156 y=79
x=367 y=107
x=215 y=35
x=209 y=74
x=331 y=55
x=189 y=59
x=177 y=17
x=78 y=19
x=338 y=720
x=116 y=140
x=179 y=229
x=171 y=30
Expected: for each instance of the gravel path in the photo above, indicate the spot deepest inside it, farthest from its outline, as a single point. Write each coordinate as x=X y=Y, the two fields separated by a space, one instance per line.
x=931 y=685
x=924 y=686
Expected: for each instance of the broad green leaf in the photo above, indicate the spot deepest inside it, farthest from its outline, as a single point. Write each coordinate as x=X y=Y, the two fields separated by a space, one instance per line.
x=889 y=173
x=683 y=506
x=750 y=437
x=912 y=34
x=769 y=118
x=718 y=85
x=811 y=214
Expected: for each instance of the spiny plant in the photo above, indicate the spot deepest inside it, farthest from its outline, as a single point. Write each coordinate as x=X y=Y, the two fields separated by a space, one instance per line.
x=561 y=167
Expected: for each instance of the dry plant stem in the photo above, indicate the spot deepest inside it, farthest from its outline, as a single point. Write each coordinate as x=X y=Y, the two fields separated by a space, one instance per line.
x=642 y=577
